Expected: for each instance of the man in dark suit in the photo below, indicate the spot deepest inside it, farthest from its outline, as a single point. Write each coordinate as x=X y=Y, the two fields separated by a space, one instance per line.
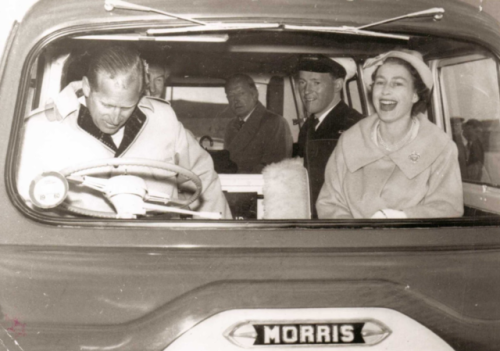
x=320 y=81
x=256 y=136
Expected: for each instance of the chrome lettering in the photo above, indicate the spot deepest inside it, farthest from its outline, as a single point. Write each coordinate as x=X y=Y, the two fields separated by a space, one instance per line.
x=306 y=334
x=335 y=333
x=347 y=332
x=322 y=334
x=290 y=334
x=272 y=334
x=309 y=334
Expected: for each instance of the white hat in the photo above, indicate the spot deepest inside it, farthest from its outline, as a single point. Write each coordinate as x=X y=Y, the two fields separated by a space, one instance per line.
x=414 y=58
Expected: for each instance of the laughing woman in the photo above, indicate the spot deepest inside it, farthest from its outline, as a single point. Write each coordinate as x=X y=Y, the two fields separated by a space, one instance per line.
x=395 y=163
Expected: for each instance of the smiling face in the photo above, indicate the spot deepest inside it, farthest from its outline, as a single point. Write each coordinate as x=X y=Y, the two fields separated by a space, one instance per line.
x=393 y=93
x=114 y=100
x=241 y=97
x=318 y=91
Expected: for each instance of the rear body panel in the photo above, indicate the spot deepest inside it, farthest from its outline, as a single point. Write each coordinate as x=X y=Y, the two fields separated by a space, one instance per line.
x=141 y=298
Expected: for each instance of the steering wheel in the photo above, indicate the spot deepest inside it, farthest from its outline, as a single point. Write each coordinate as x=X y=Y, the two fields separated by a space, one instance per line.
x=126 y=167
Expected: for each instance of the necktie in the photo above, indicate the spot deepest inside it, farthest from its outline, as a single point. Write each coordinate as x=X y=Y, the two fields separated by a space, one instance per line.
x=315 y=121
x=239 y=124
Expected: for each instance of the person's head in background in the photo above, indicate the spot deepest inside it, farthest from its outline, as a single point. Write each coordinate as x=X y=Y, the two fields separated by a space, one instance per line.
x=320 y=81
x=242 y=94
x=472 y=130
x=456 y=126
x=157 y=75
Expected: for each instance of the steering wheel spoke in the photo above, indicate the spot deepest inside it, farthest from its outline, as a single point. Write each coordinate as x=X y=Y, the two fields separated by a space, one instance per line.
x=98 y=184
x=157 y=196
x=127 y=190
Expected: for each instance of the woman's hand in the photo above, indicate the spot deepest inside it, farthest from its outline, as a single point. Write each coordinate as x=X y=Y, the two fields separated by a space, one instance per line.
x=389 y=213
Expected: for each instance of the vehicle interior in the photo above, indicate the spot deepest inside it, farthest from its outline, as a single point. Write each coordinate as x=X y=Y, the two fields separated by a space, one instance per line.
x=466 y=87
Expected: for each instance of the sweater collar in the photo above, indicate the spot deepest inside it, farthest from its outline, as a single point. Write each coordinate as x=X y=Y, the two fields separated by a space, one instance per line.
x=132 y=127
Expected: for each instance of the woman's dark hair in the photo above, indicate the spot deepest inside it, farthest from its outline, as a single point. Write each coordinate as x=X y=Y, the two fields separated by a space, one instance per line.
x=423 y=92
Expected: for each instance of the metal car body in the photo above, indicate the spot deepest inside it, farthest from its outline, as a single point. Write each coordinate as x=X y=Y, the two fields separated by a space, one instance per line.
x=78 y=283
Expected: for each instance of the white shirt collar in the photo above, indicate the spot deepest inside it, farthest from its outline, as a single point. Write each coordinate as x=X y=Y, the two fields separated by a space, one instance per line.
x=249 y=114
x=118 y=136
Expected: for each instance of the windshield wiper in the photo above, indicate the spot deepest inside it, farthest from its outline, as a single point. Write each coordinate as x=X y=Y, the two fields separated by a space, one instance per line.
x=346 y=30
x=437 y=14
x=214 y=27
x=110 y=5
x=209 y=38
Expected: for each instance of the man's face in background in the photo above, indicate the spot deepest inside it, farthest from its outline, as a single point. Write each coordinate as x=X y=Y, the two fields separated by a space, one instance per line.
x=242 y=98
x=157 y=77
x=317 y=91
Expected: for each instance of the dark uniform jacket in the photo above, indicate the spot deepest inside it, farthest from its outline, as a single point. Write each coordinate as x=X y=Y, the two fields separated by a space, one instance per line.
x=263 y=139
x=316 y=146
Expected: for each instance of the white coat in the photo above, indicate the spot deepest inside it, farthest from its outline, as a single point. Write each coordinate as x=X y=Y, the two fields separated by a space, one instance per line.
x=422 y=178
x=53 y=140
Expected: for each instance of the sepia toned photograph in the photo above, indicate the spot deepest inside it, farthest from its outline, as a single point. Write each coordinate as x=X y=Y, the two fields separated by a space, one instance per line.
x=231 y=175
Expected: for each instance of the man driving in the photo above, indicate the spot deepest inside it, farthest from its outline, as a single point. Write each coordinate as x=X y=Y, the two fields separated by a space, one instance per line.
x=114 y=120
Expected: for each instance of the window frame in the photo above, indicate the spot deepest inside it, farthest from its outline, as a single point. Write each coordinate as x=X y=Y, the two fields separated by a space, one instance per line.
x=152 y=223
x=477 y=195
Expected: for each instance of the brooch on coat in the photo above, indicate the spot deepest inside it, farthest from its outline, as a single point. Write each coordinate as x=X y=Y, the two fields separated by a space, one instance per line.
x=414 y=156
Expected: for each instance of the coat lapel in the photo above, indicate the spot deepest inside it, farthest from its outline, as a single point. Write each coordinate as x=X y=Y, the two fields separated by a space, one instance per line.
x=420 y=153
x=132 y=127
x=246 y=134
x=360 y=150
x=358 y=146
x=333 y=123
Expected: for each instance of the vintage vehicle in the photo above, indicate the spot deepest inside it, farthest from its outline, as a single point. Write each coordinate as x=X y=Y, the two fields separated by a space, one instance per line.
x=72 y=280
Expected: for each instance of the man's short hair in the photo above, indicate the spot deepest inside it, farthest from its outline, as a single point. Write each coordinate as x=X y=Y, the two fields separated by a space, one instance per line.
x=473 y=123
x=114 y=60
x=321 y=64
x=155 y=61
x=240 y=77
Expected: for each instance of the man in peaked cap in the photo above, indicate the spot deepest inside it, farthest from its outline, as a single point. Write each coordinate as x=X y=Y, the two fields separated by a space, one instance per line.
x=320 y=81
